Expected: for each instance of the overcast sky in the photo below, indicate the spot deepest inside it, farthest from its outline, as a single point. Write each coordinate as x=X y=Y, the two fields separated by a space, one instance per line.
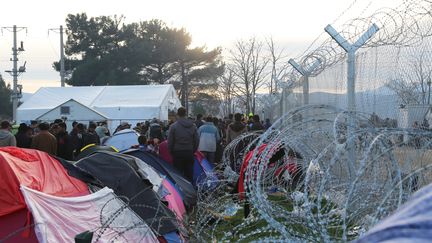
x=292 y=24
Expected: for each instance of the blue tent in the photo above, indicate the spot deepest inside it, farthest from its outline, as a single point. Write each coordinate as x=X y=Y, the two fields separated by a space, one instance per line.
x=412 y=222
x=203 y=173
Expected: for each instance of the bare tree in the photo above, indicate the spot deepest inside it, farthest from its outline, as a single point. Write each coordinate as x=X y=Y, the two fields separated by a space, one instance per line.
x=277 y=68
x=249 y=66
x=413 y=87
x=226 y=91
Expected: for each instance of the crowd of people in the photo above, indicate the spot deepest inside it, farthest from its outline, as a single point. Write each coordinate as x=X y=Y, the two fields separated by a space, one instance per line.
x=53 y=138
x=183 y=137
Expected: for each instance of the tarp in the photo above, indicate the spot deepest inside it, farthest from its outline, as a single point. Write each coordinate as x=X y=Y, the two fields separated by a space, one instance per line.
x=116 y=173
x=186 y=189
x=123 y=140
x=412 y=222
x=60 y=219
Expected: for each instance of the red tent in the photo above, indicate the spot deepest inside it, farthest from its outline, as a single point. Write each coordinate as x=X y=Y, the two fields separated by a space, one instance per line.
x=36 y=170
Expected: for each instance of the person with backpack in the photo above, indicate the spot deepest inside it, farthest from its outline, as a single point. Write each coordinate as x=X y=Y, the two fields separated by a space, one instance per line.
x=155 y=130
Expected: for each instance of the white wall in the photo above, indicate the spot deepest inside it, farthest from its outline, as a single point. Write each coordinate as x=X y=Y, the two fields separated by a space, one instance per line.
x=77 y=113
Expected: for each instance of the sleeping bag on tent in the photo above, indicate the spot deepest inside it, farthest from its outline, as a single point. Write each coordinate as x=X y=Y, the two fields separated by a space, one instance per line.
x=60 y=219
x=115 y=173
x=186 y=189
x=36 y=170
x=203 y=172
x=123 y=140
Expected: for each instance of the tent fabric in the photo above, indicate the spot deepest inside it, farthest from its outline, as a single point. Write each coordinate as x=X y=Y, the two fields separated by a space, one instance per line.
x=14 y=227
x=60 y=219
x=93 y=148
x=161 y=186
x=116 y=173
x=34 y=169
x=412 y=222
x=125 y=102
x=173 y=237
x=246 y=161
x=186 y=189
x=175 y=202
x=123 y=140
x=203 y=172
x=147 y=172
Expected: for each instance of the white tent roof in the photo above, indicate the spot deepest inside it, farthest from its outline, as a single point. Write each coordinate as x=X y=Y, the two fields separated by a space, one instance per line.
x=115 y=102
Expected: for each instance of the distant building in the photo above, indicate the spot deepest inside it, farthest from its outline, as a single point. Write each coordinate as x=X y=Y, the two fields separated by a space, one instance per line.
x=115 y=104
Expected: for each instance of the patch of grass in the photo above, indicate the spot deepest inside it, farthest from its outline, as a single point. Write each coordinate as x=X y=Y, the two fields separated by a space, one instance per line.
x=236 y=224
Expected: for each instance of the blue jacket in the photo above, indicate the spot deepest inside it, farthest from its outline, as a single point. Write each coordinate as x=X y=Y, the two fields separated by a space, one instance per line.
x=209 y=137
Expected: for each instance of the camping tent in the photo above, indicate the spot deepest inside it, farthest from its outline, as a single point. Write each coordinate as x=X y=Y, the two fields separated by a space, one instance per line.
x=186 y=189
x=411 y=222
x=36 y=170
x=129 y=103
x=60 y=219
x=119 y=172
x=204 y=174
x=203 y=170
x=123 y=140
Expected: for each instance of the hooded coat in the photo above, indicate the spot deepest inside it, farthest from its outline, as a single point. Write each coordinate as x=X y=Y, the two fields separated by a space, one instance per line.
x=183 y=136
x=234 y=130
x=7 y=138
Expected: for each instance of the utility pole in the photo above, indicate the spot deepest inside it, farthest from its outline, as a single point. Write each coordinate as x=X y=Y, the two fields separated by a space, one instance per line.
x=306 y=73
x=351 y=50
x=62 y=56
x=15 y=72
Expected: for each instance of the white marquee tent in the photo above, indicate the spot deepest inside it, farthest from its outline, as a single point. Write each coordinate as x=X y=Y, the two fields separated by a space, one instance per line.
x=128 y=103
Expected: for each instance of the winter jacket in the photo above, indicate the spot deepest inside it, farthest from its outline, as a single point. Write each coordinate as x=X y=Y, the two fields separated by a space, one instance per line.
x=155 y=131
x=199 y=123
x=234 y=130
x=256 y=126
x=7 y=138
x=209 y=137
x=64 y=146
x=46 y=142
x=22 y=140
x=90 y=137
x=183 y=136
